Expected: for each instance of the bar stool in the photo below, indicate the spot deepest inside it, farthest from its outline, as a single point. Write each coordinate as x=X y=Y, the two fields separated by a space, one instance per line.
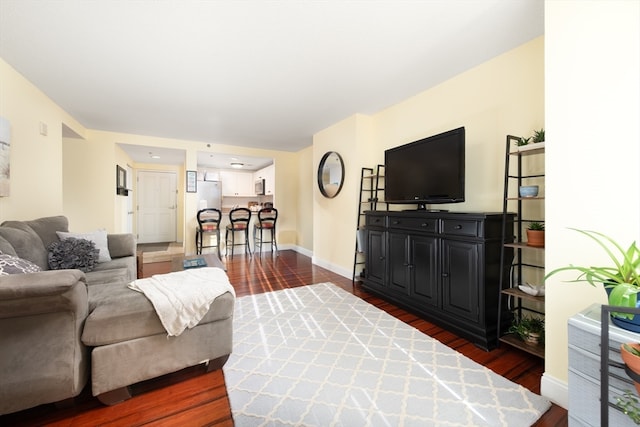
x=208 y=224
x=239 y=221
x=267 y=218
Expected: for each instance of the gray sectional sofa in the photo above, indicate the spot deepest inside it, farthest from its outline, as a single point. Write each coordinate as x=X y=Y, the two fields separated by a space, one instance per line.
x=54 y=324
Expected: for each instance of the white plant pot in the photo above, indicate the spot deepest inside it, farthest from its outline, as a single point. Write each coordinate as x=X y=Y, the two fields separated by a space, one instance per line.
x=531 y=146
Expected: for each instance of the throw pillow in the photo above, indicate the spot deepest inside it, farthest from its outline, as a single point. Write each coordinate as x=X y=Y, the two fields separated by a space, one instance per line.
x=10 y=264
x=73 y=253
x=99 y=237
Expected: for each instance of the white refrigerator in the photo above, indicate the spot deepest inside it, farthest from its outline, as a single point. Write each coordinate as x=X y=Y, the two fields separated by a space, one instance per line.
x=209 y=194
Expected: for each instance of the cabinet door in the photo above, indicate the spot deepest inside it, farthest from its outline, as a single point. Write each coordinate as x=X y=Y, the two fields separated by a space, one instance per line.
x=425 y=275
x=376 y=257
x=244 y=184
x=237 y=184
x=269 y=175
x=229 y=184
x=399 y=271
x=461 y=279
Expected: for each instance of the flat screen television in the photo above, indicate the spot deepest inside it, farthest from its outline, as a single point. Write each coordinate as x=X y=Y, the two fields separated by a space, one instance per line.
x=427 y=171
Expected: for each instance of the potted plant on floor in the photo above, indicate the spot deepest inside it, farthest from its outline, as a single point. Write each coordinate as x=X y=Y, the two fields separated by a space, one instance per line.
x=621 y=280
x=535 y=235
x=528 y=328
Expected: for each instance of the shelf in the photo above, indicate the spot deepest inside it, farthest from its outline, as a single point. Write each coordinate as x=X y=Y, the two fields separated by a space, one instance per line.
x=515 y=292
x=521 y=245
x=537 y=150
x=514 y=341
x=516 y=172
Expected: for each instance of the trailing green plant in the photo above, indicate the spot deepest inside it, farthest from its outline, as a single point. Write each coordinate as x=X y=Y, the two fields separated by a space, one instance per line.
x=631 y=349
x=538 y=136
x=538 y=226
x=523 y=326
x=622 y=278
x=522 y=141
x=629 y=404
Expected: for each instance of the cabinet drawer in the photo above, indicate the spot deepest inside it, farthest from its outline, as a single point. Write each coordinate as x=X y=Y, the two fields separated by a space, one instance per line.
x=375 y=221
x=461 y=228
x=416 y=224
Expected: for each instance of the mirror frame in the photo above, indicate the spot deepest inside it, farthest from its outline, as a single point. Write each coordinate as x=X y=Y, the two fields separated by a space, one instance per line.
x=321 y=168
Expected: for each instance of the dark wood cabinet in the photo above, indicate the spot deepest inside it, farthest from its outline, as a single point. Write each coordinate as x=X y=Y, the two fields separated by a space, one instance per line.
x=375 y=263
x=445 y=266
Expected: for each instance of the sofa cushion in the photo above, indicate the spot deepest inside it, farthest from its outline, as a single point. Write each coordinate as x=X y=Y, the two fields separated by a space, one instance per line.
x=10 y=264
x=26 y=242
x=99 y=237
x=73 y=253
x=120 y=314
x=47 y=227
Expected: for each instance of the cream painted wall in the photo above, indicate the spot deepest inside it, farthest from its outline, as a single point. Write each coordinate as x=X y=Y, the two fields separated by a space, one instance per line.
x=334 y=220
x=36 y=160
x=502 y=96
x=306 y=176
x=593 y=151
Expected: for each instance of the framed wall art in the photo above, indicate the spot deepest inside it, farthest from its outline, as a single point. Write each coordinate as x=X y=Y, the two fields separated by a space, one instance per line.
x=192 y=183
x=121 y=181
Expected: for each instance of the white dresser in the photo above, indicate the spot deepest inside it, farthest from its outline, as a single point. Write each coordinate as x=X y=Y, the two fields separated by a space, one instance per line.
x=584 y=369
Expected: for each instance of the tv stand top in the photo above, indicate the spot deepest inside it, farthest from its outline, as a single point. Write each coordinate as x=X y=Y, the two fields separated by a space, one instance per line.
x=425 y=210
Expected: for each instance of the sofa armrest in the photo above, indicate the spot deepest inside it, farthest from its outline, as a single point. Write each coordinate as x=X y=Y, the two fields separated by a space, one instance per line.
x=43 y=292
x=121 y=245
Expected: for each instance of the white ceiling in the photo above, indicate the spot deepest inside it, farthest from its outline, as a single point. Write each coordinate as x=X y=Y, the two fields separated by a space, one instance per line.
x=251 y=73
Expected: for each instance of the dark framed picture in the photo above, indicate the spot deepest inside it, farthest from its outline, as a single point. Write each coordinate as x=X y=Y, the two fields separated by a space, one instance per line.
x=192 y=183
x=121 y=181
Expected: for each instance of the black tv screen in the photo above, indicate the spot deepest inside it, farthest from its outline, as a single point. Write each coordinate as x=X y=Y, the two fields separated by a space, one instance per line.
x=427 y=171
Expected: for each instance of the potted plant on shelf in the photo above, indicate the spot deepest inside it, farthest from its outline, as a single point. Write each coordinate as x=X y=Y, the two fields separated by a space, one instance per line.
x=538 y=136
x=628 y=402
x=522 y=141
x=535 y=235
x=630 y=353
x=528 y=328
x=621 y=280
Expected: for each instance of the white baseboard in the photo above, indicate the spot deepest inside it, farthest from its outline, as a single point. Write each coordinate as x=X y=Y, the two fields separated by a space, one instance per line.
x=332 y=267
x=555 y=390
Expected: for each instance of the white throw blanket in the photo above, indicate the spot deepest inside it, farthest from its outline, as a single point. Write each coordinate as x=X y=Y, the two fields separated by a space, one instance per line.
x=181 y=299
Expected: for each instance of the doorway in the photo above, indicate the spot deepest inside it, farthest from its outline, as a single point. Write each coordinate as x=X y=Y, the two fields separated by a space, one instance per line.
x=157 y=204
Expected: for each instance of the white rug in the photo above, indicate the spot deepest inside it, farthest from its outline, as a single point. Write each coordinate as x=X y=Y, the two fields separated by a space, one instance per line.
x=320 y=356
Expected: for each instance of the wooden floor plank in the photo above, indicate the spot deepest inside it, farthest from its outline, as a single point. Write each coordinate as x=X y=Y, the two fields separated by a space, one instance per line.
x=194 y=398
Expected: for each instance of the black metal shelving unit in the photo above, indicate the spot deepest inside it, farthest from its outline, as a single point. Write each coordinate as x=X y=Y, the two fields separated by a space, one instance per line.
x=515 y=299
x=371 y=188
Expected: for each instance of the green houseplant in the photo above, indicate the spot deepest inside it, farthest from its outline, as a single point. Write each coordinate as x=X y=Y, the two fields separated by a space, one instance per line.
x=628 y=402
x=528 y=328
x=535 y=235
x=621 y=279
x=538 y=136
x=522 y=141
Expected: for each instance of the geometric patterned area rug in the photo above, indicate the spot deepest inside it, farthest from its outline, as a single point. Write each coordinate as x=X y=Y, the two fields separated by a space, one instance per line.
x=320 y=356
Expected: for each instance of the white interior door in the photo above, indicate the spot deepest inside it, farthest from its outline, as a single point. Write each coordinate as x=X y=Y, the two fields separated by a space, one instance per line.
x=157 y=195
x=128 y=219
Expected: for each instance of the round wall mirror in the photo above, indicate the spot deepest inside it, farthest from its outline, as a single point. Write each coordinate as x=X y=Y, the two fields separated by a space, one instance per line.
x=330 y=174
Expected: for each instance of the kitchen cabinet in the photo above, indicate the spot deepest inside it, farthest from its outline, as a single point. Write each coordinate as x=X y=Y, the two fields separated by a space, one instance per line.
x=445 y=266
x=269 y=175
x=237 y=184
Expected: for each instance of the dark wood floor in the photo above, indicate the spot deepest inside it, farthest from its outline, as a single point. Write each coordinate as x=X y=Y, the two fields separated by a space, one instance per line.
x=194 y=398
